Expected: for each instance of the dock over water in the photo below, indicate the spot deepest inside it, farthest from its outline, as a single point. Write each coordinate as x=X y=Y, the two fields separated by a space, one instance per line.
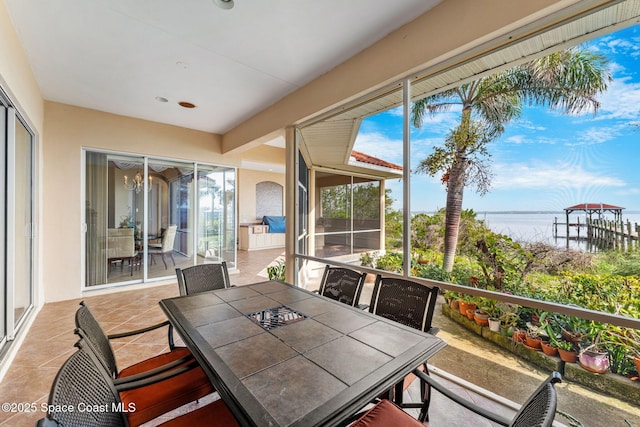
x=603 y=233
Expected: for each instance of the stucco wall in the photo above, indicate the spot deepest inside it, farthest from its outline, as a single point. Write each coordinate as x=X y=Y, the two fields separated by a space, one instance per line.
x=68 y=129
x=248 y=179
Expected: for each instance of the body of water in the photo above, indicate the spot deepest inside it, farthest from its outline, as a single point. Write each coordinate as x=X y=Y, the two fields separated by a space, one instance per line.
x=538 y=226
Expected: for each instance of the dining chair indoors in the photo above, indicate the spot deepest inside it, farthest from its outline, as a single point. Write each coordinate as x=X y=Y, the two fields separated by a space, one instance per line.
x=203 y=278
x=411 y=304
x=151 y=397
x=343 y=285
x=83 y=384
x=166 y=247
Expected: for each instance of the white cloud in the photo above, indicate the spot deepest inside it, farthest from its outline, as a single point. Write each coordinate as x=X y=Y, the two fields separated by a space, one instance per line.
x=379 y=145
x=534 y=139
x=515 y=139
x=545 y=175
x=620 y=101
x=596 y=135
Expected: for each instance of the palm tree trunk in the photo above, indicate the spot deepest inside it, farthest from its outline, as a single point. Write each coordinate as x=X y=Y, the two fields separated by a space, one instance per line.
x=455 y=191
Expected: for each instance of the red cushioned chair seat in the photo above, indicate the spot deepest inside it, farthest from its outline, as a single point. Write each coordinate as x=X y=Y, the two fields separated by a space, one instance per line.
x=156 y=399
x=386 y=414
x=155 y=362
x=215 y=414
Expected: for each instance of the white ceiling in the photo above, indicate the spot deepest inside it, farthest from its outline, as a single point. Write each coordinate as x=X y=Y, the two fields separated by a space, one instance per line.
x=119 y=55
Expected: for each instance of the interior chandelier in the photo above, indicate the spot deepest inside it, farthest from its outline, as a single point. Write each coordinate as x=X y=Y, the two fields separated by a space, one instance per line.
x=137 y=183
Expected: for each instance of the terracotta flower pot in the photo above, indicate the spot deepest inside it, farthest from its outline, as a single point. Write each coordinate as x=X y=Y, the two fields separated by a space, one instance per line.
x=548 y=349
x=568 y=356
x=481 y=318
x=454 y=304
x=471 y=313
x=464 y=306
x=636 y=361
x=533 y=342
x=519 y=336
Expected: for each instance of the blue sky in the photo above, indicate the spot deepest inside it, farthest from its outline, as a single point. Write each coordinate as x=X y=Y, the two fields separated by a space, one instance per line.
x=545 y=161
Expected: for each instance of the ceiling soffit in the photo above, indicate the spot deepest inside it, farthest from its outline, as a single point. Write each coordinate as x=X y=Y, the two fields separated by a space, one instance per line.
x=329 y=141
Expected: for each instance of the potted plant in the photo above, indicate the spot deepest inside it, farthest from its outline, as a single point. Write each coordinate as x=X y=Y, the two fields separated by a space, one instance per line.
x=622 y=344
x=481 y=317
x=594 y=357
x=509 y=319
x=550 y=344
x=467 y=302
x=549 y=348
x=452 y=298
x=567 y=351
x=277 y=271
x=532 y=338
x=494 y=310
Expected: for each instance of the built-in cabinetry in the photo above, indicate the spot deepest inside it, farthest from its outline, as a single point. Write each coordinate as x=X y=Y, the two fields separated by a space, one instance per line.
x=257 y=236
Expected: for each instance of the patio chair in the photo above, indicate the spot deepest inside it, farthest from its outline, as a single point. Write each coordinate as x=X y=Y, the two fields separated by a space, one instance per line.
x=538 y=411
x=203 y=278
x=83 y=384
x=166 y=247
x=169 y=394
x=342 y=284
x=411 y=304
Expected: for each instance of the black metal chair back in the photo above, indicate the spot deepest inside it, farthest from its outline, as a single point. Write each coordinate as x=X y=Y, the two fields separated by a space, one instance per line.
x=404 y=301
x=540 y=409
x=89 y=329
x=82 y=382
x=342 y=284
x=203 y=278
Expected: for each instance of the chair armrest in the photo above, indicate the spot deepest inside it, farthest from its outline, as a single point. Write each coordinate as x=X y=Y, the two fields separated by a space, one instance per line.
x=129 y=385
x=147 y=329
x=154 y=371
x=460 y=400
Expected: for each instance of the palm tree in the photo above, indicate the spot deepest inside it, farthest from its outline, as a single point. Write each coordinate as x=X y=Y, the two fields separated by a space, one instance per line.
x=568 y=81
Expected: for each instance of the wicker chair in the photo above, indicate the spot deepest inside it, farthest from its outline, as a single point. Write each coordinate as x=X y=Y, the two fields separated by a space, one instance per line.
x=411 y=304
x=83 y=385
x=203 y=278
x=342 y=284
x=152 y=398
x=538 y=411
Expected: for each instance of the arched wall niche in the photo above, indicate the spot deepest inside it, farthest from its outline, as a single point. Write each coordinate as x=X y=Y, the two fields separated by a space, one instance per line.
x=269 y=199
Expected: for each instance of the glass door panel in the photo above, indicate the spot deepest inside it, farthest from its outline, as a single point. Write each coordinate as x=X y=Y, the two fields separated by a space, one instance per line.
x=216 y=215
x=170 y=217
x=114 y=218
x=23 y=222
x=3 y=282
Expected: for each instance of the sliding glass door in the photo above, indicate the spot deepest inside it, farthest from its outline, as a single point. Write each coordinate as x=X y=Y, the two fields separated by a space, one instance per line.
x=216 y=215
x=17 y=227
x=142 y=220
x=21 y=221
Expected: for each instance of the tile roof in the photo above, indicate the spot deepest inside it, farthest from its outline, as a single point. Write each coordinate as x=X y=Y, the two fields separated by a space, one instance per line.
x=593 y=206
x=365 y=158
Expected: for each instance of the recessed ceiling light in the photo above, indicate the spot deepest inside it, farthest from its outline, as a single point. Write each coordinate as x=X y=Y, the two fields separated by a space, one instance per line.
x=161 y=99
x=224 y=4
x=186 y=104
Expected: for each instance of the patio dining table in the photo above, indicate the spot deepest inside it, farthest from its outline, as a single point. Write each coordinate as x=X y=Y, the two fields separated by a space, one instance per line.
x=282 y=356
